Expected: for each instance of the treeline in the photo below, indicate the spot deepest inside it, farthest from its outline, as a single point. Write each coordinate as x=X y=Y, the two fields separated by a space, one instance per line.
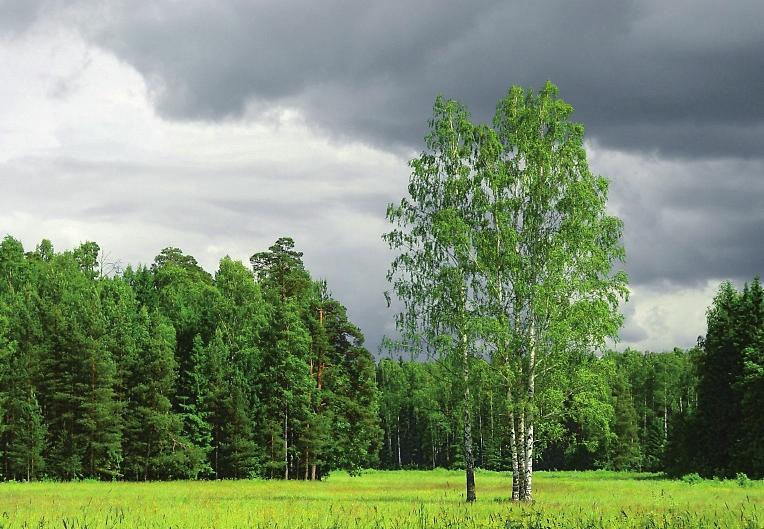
x=167 y=372
x=698 y=410
x=620 y=418
x=724 y=433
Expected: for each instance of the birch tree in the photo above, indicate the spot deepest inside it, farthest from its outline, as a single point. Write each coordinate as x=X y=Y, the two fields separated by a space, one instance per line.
x=433 y=273
x=545 y=252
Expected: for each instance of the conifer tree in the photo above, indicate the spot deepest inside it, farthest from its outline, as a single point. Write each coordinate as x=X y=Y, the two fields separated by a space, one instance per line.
x=748 y=450
x=623 y=449
x=719 y=402
x=286 y=384
x=23 y=433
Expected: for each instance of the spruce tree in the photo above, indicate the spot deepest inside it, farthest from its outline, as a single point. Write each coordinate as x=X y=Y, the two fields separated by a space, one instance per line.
x=749 y=450
x=719 y=402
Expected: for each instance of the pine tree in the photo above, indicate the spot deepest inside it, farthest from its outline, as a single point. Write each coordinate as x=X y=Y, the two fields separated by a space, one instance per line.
x=347 y=392
x=77 y=373
x=286 y=384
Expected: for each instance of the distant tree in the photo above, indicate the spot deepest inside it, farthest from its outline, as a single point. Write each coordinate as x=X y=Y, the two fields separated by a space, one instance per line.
x=286 y=383
x=749 y=450
x=185 y=294
x=390 y=380
x=76 y=374
x=347 y=405
x=155 y=447
x=22 y=431
x=720 y=367
x=241 y=314
x=623 y=449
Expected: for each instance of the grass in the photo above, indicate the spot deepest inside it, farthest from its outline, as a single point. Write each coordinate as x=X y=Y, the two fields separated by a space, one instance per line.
x=389 y=500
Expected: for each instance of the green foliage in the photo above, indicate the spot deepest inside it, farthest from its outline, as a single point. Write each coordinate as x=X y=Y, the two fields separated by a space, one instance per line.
x=167 y=372
x=722 y=434
x=742 y=479
x=504 y=244
x=692 y=478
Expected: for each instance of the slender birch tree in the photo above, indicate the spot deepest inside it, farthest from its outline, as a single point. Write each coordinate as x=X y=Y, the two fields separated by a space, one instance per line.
x=433 y=274
x=546 y=250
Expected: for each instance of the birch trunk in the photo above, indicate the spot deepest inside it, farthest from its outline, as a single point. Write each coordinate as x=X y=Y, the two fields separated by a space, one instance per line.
x=469 y=460
x=521 y=474
x=515 y=462
x=529 y=439
x=398 y=438
x=528 y=492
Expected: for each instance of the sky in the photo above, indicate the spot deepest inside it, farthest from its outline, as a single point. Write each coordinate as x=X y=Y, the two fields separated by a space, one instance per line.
x=218 y=126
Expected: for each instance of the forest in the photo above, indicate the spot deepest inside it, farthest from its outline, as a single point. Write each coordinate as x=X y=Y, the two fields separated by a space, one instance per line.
x=166 y=371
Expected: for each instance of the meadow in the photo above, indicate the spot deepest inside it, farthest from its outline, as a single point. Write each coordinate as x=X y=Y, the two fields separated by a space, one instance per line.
x=387 y=499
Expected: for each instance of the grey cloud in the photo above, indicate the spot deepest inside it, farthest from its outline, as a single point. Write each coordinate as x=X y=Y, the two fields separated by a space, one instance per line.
x=632 y=332
x=677 y=77
x=17 y=15
x=688 y=222
x=134 y=209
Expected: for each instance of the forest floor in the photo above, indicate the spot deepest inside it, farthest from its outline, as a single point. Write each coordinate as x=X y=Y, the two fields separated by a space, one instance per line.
x=379 y=499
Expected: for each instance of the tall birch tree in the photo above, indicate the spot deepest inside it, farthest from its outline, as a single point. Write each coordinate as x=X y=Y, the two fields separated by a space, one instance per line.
x=546 y=251
x=433 y=274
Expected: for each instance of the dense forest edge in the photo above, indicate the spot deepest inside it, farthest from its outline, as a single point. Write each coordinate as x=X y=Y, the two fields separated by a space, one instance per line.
x=508 y=271
x=169 y=372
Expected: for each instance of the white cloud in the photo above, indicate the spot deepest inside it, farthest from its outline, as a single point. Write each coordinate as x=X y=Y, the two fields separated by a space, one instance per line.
x=92 y=161
x=659 y=318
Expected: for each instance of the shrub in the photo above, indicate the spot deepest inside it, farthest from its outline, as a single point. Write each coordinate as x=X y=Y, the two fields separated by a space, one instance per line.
x=742 y=479
x=692 y=479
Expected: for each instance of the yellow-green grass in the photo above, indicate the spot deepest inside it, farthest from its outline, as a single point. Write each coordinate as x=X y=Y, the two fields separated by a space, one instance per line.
x=401 y=499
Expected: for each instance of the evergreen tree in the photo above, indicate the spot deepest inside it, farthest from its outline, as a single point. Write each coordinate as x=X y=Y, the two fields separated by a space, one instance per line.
x=720 y=367
x=77 y=372
x=241 y=316
x=155 y=447
x=23 y=434
x=749 y=451
x=286 y=384
x=623 y=449
x=224 y=404
x=185 y=294
x=347 y=390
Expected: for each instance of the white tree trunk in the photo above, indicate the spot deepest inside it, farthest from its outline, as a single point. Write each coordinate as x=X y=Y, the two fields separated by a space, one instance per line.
x=469 y=460
x=530 y=419
x=516 y=479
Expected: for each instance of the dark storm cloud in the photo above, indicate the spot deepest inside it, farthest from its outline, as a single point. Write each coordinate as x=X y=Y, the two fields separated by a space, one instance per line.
x=683 y=78
x=691 y=221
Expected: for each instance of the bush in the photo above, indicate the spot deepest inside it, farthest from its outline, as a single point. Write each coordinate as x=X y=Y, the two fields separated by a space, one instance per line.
x=742 y=479
x=692 y=479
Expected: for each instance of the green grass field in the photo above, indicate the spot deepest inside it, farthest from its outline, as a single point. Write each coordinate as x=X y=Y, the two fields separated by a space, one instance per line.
x=405 y=499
